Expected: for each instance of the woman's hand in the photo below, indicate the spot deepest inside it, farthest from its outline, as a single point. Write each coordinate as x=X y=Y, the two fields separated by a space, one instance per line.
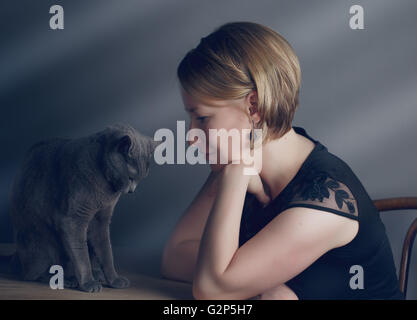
x=254 y=182
x=280 y=292
x=249 y=163
x=255 y=186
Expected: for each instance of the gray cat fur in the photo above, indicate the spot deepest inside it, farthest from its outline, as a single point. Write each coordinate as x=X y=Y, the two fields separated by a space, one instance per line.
x=62 y=201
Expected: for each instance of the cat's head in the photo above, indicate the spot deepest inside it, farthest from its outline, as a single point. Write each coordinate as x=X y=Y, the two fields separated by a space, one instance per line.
x=126 y=156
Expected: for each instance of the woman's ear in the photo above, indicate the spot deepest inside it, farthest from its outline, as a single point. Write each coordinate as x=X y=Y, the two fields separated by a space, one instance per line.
x=252 y=103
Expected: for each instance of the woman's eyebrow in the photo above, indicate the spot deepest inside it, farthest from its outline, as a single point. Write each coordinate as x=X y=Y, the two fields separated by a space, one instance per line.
x=191 y=110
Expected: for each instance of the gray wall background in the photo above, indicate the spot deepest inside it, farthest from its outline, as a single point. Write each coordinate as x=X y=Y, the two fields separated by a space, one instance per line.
x=115 y=61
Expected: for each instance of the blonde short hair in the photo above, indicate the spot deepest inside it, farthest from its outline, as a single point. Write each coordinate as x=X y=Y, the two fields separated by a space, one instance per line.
x=239 y=57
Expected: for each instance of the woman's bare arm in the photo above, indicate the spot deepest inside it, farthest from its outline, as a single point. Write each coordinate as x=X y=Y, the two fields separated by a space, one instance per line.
x=181 y=250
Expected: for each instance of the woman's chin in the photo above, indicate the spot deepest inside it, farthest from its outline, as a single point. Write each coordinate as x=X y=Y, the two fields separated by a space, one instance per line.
x=216 y=167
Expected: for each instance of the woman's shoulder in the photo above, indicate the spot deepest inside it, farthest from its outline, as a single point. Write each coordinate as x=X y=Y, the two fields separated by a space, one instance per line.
x=326 y=180
x=331 y=181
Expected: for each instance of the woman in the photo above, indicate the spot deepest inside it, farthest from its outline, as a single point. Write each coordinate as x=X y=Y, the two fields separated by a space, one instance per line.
x=302 y=227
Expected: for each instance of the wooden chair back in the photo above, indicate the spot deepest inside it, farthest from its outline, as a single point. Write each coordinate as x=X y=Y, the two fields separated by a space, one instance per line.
x=404 y=203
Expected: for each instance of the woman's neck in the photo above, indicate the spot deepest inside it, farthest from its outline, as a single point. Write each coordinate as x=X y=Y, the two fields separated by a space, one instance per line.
x=281 y=160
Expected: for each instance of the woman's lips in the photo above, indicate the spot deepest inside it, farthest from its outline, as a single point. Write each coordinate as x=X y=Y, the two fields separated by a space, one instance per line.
x=207 y=153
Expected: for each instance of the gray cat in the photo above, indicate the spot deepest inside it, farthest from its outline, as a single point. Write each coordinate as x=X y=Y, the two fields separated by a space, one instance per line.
x=62 y=201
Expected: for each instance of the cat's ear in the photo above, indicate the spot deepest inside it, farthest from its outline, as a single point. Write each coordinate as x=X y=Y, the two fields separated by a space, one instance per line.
x=124 y=144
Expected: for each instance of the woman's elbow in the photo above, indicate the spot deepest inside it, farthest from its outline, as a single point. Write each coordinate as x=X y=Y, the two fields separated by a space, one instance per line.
x=207 y=290
x=201 y=294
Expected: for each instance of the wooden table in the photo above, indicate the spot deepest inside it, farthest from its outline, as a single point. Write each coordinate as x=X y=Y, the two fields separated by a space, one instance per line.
x=143 y=287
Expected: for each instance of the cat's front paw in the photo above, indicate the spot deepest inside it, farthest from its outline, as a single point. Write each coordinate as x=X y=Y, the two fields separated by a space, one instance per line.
x=91 y=286
x=120 y=283
x=99 y=276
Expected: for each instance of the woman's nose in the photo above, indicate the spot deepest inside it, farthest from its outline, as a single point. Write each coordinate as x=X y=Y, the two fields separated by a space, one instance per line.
x=191 y=142
x=195 y=138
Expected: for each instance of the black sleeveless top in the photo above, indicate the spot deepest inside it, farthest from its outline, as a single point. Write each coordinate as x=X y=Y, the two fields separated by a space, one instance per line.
x=362 y=269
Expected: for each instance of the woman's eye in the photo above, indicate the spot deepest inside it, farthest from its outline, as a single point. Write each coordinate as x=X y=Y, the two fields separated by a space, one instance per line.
x=201 y=119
